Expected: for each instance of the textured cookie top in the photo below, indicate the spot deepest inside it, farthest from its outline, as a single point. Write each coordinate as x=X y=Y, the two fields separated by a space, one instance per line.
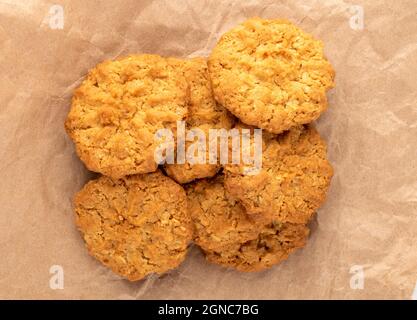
x=273 y=245
x=292 y=182
x=118 y=108
x=229 y=237
x=136 y=225
x=270 y=74
x=203 y=113
x=203 y=109
x=219 y=221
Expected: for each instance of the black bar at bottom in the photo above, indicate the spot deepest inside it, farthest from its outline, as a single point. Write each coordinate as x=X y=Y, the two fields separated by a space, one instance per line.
x=208 y=309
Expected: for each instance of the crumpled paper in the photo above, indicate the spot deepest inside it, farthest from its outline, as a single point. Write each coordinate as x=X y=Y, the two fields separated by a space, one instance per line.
x=364 y=241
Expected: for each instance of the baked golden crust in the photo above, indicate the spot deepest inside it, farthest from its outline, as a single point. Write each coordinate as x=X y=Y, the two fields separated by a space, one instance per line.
x=203 y=113
x=219 y=221
x=273 y=245
x=292 y=182
x=270 y=74
x=136 y=225
x=229 y=237
x=118 y=108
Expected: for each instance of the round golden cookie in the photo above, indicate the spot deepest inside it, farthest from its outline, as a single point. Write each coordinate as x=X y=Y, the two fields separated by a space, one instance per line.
x=204 y=114
x=229 y=237
x=118 y=108
x=292 y=181
x=219 y=221
x=273 y=245
x=270 y=74
x=136 y=225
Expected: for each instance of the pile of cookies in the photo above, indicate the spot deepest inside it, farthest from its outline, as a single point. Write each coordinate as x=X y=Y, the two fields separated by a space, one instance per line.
x=139 y=217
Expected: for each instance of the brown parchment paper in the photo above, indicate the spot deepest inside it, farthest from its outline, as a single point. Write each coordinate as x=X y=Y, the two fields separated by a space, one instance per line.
x=369 y=219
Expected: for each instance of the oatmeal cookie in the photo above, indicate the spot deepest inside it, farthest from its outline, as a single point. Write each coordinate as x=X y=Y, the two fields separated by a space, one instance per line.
x=293 y=179
x=203 y=113
x=219 y=221
x=229 y=237
x=118 y=108
x=270 y=74
x=136 y=225
x=274 y=244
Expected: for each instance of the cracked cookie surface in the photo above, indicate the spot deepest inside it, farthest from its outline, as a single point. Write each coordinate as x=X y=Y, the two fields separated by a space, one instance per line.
x=219 y=221
x=293 y=180
x=136 y=225
x=118 y=108
x=229 y=237
x=204 y=114
x=270 y=74
x=274 y=244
